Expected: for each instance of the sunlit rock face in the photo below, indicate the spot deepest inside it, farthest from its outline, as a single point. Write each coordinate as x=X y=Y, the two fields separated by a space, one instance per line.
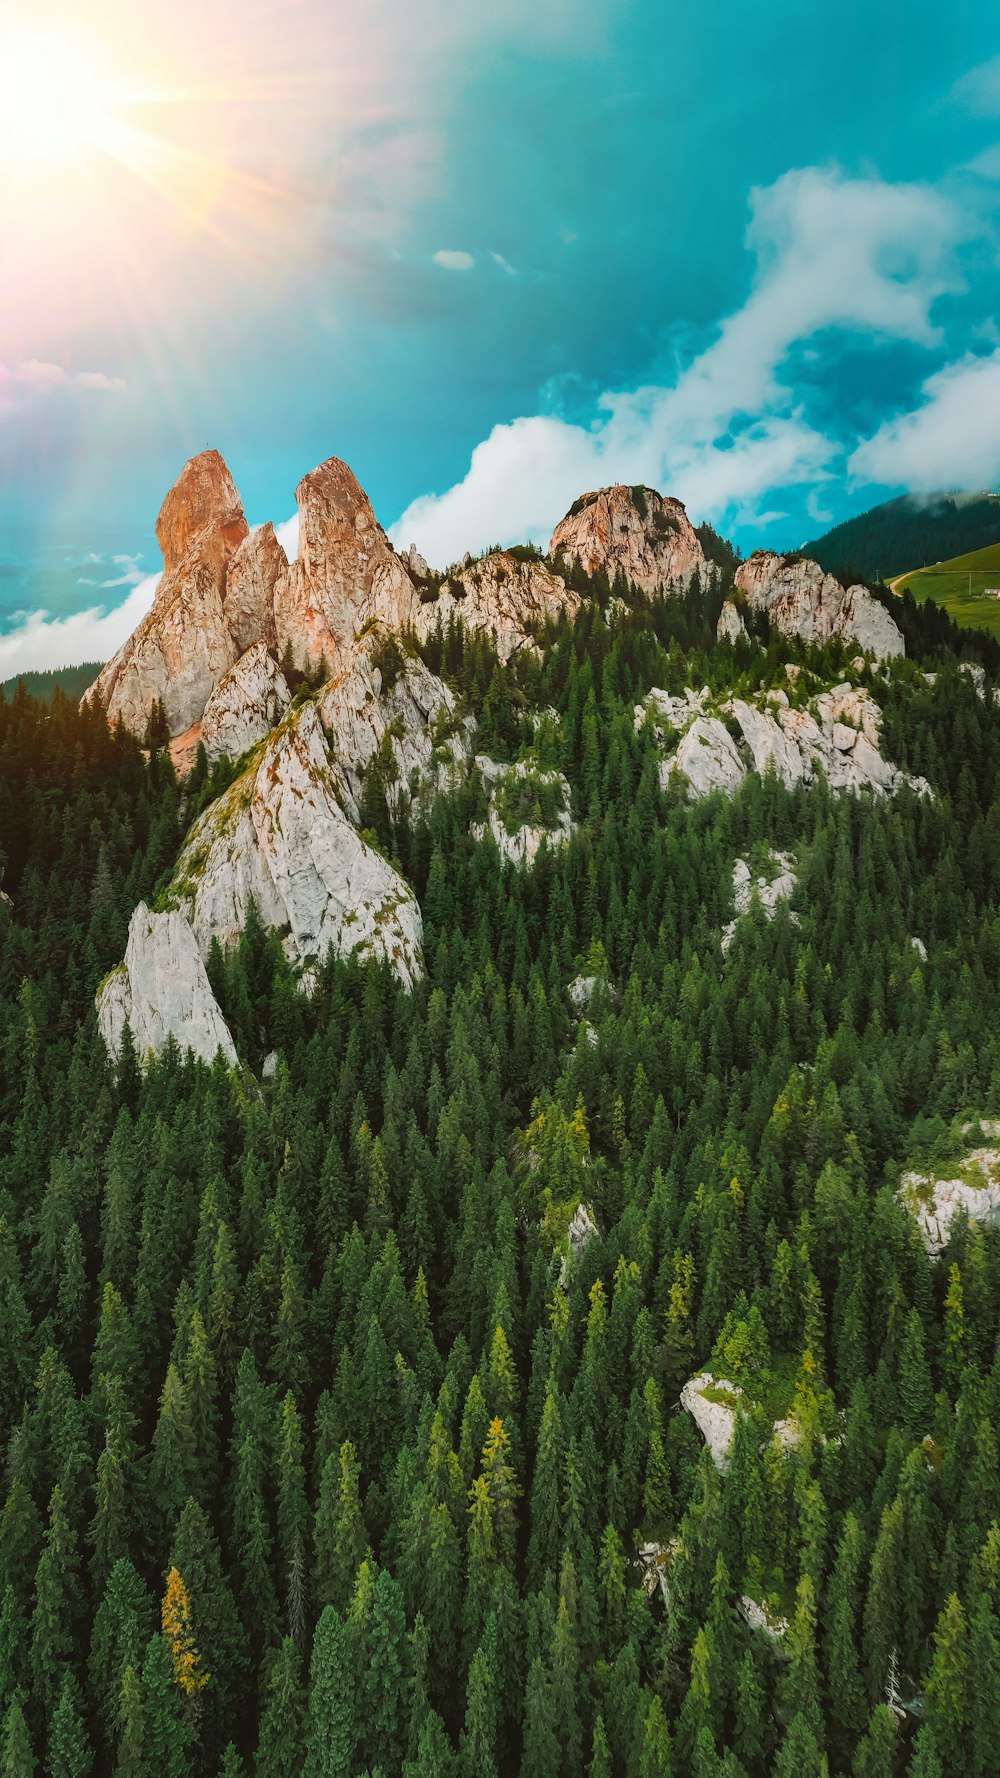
x=280 y=837
x=800 y=600
x=162 y=991
x=183 y=646
x=635 y=532
x=346 y=576
x=504 y=595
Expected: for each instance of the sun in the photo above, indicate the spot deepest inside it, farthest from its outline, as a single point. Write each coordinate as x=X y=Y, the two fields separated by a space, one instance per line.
x=59 y=99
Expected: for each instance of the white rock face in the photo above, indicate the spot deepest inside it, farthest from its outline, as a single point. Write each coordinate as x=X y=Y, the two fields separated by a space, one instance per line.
x=633 y=532
x=756 y=1617
x=521 y=846
x=730 y=627
x=837 y=734
x=416 y=563
x=280 y=836
x=161 y=990
x=502 y=595
x=769 y=890
x=669 y=712
x=715 y=1421
x=581 y=991
x=935 y=1202
x=582 y=1229
x=245 y=705
x=920 y=948
x=707 y=758
x=411 y=706
x=802 y=601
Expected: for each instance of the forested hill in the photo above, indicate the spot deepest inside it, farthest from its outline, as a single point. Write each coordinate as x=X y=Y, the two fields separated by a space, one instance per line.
x=326 y=1450
x=908 y=533
x=71 y=680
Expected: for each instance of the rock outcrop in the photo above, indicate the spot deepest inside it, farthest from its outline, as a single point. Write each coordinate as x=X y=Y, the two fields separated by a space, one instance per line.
x=730 y=627
x=934 y=1203
x=161 y=991
x=707 y=758
x=279 y=836
x=837 y=735
x=390 y=698
x=245 y=705
x=526 y=807
x=635 y=532
x=183 y=646
x=768 y=889
x=346 y=576
x=800 y=600
x=506 y=595
x=251 y=578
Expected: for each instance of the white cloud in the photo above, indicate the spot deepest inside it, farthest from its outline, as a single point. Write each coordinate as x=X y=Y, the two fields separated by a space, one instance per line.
x=987 y=163
x=951 y=440
x=453 y=259
x=831 y=252
x=41 y=641
x=287 y=534
x=36 y=376
x=504 y=264
x=979 y=90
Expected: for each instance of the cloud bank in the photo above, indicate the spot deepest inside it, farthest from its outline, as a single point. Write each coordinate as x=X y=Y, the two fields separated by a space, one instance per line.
x=952 y=440
x=857 y=255
x=42 y=641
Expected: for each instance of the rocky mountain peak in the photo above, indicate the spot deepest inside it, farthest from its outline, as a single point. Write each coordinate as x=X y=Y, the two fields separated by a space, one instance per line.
x=347 y=574
x=203 y=495
x=800 y=600
x=633 y=531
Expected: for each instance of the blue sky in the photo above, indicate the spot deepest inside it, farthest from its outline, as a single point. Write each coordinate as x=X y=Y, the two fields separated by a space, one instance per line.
x=492 y=256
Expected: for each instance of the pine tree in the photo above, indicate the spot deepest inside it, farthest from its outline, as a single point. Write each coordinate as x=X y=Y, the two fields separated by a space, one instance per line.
x=69 y=1753
x=280 y=1743
x=330 y=1723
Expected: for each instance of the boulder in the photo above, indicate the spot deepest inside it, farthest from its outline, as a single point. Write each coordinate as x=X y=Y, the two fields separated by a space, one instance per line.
x=346 y=577
x=635 y=532
x=280 y=837
x=161 y=991
x=730 y=627
x=505 y=595
x=389 y=695
x=800 y=600
x=245 y=705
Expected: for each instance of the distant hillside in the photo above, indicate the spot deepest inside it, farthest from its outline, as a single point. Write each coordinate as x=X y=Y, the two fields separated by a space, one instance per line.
x=72 y=680
x=905 y=533
x=962 y=586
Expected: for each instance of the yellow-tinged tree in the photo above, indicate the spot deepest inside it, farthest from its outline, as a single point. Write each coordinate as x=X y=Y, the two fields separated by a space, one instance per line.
x=176 y=1621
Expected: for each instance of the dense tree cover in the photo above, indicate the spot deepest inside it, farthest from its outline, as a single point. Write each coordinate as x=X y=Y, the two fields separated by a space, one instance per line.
x=74 y=681
x=908 y=533
x=319 y=1458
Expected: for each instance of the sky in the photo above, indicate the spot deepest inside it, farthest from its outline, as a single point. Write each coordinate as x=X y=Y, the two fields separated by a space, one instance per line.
x=490 y=255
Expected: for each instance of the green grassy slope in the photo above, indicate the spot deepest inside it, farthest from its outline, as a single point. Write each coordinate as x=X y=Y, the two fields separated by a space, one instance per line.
x=960 y=585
